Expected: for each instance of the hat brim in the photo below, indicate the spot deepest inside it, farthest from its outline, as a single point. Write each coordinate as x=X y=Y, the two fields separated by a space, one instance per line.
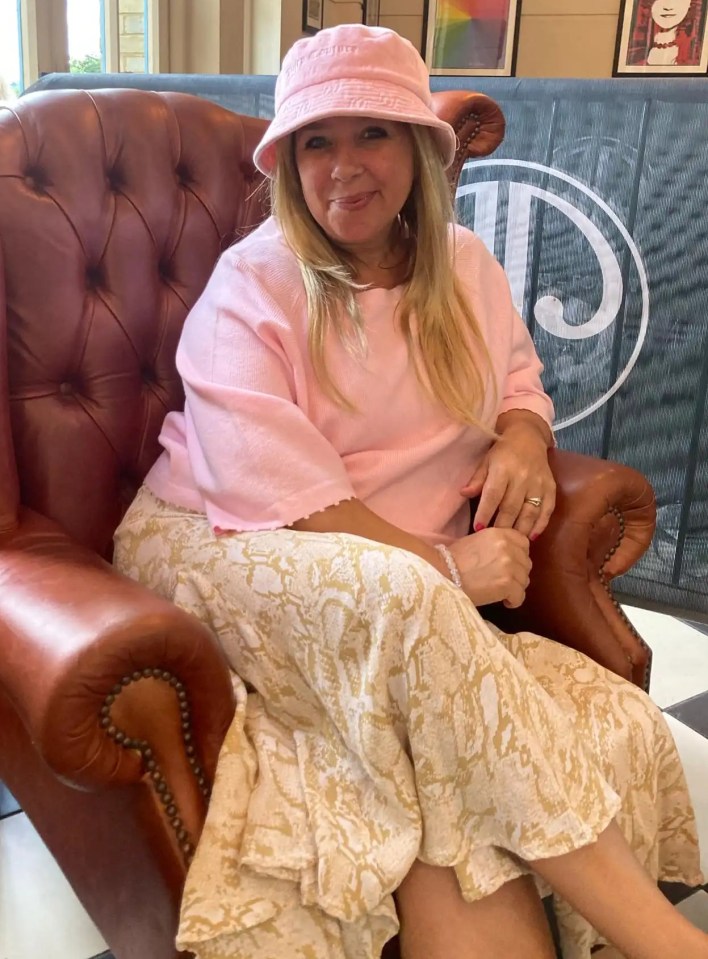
x=351 y=97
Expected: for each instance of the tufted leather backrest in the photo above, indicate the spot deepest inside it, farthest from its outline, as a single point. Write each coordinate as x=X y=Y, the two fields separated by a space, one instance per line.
x=114 y=207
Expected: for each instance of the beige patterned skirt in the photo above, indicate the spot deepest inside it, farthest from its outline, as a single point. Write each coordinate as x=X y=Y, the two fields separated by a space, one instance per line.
x=381 y=719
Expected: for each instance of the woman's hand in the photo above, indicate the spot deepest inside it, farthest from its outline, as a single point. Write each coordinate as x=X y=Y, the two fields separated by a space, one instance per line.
x=494 y=566
x=515 y=470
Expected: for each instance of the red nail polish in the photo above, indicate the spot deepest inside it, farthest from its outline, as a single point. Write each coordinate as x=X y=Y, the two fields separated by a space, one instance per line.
x=478 y=527
x=533 y=537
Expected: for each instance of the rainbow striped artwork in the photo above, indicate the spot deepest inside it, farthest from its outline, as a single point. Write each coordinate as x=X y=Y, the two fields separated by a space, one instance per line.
x=472 y=36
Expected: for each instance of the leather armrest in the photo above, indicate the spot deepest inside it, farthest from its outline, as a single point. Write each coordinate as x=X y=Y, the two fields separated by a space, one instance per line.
x=113 y=683
x=477 y=120
x=9 y=483
x=603 y=522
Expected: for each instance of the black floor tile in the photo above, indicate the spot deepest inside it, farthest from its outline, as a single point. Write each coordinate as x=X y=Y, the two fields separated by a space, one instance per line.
x=553 y=923
x=8 y=803
x=692 y=712
x=676 y=892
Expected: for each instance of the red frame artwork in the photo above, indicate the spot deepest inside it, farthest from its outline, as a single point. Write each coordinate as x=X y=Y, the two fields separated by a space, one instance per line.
x=662 y=38
x=312 y=15
x=471 y=37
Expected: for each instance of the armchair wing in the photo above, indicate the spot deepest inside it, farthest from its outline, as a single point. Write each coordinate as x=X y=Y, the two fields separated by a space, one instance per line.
x=113 y=703
x=605 y=516
x=113 y=707
x=603 y=522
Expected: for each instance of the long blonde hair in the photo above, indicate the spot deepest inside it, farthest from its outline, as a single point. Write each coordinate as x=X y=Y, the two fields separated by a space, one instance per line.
x=433 y=294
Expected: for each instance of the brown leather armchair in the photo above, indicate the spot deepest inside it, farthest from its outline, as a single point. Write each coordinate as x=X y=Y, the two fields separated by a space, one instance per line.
x=114 y=206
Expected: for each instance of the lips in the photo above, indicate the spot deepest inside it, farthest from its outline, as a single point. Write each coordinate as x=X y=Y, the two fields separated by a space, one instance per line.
x=354 y=202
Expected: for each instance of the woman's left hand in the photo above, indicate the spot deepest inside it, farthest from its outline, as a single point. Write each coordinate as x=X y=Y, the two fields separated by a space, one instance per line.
x=514 y=471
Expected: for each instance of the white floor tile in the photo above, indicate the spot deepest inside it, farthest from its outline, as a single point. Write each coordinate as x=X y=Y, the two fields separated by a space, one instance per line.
x=40 y=917
x=693 y=749
x=680 y=664
x=695 y=908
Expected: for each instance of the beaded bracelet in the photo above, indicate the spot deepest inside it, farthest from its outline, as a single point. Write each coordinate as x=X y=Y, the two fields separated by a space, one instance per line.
x=450 y=563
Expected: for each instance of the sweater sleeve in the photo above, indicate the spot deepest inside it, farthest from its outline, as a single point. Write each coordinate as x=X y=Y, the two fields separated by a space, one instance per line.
x=511 y=347
x=257 y=460
x=522 y=388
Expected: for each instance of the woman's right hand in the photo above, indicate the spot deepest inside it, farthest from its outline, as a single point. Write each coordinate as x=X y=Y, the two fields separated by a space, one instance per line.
x=494 y=566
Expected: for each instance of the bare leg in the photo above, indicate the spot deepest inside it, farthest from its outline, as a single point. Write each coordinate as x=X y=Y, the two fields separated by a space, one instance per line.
x=437 y=923
x=606 y=884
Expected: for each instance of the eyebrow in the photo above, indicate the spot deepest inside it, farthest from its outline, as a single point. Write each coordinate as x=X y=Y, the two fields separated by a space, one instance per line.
x=323 y=124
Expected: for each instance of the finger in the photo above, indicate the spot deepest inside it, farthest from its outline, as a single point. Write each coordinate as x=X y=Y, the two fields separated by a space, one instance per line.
x=515 y=597
x=544 y=514
x=516 y=539
x=493 y=493
x=521 y=571
x=518 y=584
x=510 y=508
x=514 y=562
x=476 y=482
x=528 y=517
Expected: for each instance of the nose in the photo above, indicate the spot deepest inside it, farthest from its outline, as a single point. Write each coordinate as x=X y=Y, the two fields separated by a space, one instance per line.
x=346 y=163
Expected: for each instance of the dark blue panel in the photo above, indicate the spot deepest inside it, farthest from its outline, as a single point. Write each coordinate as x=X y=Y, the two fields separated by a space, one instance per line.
x=597 y=205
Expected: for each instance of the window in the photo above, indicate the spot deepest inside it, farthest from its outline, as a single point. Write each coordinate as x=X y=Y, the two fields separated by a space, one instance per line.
x=108 y=35
x=86 y=36
x=133 y=41
x=129 y=36
x=11 y=66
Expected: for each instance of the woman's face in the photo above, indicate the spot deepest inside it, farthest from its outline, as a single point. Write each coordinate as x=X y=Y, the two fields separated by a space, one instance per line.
x=356 y=174
x=667 y=14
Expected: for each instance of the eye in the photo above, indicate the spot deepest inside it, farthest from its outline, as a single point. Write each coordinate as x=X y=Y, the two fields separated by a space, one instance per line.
x=374 y=133
x=315 y=142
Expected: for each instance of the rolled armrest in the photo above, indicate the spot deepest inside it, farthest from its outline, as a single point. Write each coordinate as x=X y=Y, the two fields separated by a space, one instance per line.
x=113 y=683
x=603 y=522
x=477 y=120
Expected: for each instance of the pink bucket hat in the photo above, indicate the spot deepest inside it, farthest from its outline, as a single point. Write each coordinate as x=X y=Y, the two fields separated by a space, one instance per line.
x=352 y=70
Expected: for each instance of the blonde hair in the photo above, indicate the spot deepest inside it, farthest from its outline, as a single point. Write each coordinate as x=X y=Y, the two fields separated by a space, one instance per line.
x=433 y=294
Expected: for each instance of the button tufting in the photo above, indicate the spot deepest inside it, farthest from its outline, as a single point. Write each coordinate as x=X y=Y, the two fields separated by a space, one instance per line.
x=115 y=180
x=94 y=277
x=184 y=177
x=36 y=179
x=66 y=389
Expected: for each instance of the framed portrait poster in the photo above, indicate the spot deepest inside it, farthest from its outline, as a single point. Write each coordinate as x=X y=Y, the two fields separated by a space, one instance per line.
x=472 y=37
x=371 y=12
x=312 y=15
x=662 y=38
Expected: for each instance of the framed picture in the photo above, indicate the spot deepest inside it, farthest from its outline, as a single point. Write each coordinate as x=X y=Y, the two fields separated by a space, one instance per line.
x=472 y=37
x=662 y=38
x=312 y=15
x=371 y=12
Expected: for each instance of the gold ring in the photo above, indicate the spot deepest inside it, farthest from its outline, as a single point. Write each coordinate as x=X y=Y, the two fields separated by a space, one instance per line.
x=534 y=501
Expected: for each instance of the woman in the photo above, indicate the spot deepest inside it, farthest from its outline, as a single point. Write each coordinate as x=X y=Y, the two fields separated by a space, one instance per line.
x=667 y=33
x=353 y=372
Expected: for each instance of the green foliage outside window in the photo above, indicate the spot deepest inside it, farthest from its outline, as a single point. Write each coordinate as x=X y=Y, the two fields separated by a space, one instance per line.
x=87 y=64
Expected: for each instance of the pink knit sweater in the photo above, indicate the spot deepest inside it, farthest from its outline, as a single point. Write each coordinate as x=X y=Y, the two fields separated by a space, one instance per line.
x=260 y=445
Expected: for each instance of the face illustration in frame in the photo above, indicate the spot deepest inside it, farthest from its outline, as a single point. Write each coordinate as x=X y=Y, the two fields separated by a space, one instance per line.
x=667 y=14
x=667 y=32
